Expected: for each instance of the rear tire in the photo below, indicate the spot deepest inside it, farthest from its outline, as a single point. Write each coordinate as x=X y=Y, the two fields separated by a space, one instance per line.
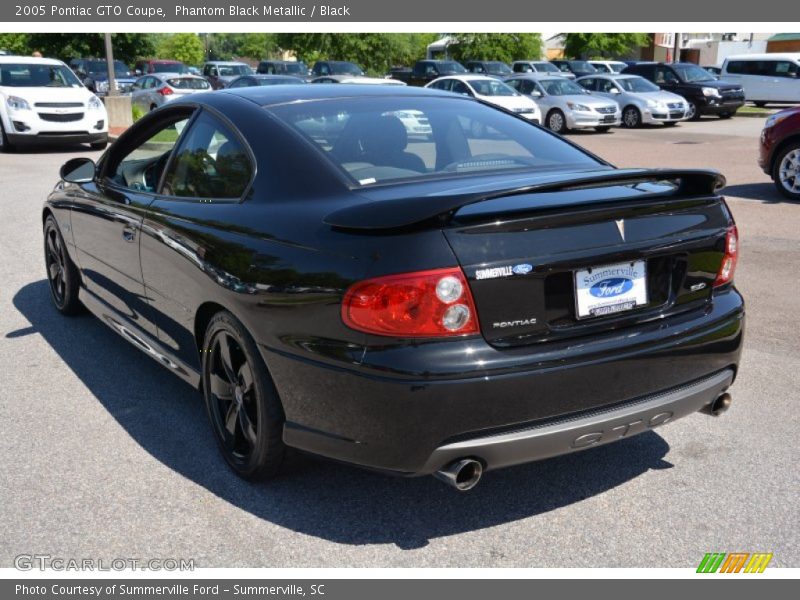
x=62 y=274
x=241 y=401
x=786 y=171
x=99 y=145
x=760 y=104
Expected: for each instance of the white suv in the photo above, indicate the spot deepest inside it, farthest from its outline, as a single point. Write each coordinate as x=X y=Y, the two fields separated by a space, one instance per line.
x=42 y=101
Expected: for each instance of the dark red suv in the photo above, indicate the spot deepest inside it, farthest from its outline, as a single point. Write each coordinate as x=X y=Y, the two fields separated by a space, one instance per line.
x=779 y=154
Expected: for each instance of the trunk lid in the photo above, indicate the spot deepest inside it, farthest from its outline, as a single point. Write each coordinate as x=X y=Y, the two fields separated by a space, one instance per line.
x=523 y=267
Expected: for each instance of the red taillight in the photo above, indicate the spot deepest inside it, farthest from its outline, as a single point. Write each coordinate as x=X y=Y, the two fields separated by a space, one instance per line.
x=728 y=264
x=422 y=304
x=166 y=91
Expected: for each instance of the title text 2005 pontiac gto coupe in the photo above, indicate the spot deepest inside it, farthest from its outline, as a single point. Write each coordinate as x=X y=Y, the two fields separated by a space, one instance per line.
x=419 y=304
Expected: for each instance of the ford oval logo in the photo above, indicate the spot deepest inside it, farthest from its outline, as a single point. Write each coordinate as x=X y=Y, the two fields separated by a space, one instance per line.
x=522 y=269
x=608 y=288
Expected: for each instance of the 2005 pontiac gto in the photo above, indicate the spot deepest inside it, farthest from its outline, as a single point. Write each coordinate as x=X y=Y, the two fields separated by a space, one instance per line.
x=474 y=295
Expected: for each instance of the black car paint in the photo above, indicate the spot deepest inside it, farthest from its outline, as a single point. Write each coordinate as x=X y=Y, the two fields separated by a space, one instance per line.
x=272 y=260
x=732 y=95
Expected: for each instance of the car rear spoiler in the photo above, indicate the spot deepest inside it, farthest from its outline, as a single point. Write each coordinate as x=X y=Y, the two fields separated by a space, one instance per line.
x=404 y=212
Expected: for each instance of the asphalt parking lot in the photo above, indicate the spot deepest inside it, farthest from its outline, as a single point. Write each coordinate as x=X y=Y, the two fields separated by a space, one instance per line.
x=107 y=455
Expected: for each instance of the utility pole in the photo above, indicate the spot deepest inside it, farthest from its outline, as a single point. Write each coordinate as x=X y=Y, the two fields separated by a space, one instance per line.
x=676 y=52
x=112 y=80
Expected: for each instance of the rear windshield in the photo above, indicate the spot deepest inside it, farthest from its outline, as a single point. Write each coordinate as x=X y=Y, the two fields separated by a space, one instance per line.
x=295 y=68
x=188 y=83
x=451 y=67
x=37 y=75
x=345 y=68
x=582 y=65
x=546 y=67
x=385 y=139
x=498 y=67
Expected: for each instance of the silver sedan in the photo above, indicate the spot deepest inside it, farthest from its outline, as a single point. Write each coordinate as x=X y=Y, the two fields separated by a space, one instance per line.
x=641 y=101
x=566 y=105
x=157 y=89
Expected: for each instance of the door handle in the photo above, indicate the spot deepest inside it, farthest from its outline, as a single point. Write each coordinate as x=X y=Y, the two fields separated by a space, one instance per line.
x=128 y=233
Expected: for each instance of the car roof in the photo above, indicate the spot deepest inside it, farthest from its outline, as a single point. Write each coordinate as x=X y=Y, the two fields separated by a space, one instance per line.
x=270 y=76
x=281 y=94
x=225 y=62
x=169 y=75
x=469 y=77
x=770 y=56
x=538 y=76
x=33 y=60
x=611 y=76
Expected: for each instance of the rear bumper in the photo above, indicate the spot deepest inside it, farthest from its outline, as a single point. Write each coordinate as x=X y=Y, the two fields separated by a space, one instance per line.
x=596 y=428
x=408 y=409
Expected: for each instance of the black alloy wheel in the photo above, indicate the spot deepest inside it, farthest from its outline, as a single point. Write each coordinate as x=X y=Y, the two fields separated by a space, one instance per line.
x=241 y=401
x=62 y=274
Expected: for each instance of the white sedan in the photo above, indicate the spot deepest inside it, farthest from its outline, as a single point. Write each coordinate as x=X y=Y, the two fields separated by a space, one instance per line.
x=491 y=90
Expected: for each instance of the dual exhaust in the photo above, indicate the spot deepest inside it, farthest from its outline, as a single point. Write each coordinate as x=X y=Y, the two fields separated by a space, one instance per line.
x=465 y=473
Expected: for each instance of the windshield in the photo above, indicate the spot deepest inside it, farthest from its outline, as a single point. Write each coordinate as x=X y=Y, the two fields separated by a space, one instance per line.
x=451 y=67
x=692 y=73
x=487 y=87
x=636 y=85
x=296 y=67
x=37 y=75
x=617 y=67
x=582 y=66
x=546 y=67
x=561 y=87
x=233 y=70
x=498 y=68
x=161 y=67
x=345 y=68
x=100 y=67
x=372 y=140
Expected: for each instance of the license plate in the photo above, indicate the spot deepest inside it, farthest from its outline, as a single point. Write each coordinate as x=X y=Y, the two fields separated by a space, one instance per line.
x=610 y=289
x=608 y=119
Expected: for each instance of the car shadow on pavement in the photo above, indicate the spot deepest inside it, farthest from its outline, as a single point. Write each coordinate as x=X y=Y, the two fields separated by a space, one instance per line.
x=765 y=192
x=335 y=502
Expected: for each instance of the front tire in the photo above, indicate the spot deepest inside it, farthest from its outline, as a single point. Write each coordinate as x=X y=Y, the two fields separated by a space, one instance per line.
x=556 y=122
x=241 y=401
x=693 y=114
x=760 y=104
x=5 y=145
x=786 y=171
x=631 y=117
x=62 y=274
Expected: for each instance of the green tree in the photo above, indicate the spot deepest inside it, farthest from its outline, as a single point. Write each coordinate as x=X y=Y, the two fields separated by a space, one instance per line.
x=65 y=46
x=603 y=45
x=229 y=46
x=375 y=52
x=506 y=47
x=16 y=43
x=185 y=47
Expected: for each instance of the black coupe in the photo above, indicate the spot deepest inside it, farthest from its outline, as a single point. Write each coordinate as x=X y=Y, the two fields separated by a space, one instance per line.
x=440 y=304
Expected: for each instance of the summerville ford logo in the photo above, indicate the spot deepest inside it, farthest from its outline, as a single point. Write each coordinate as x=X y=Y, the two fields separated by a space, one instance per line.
x=494 y=272
x=611 y=287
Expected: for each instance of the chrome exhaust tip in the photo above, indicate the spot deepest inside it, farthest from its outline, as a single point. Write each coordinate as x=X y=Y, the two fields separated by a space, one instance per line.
x=461 y=474
x=718 y=406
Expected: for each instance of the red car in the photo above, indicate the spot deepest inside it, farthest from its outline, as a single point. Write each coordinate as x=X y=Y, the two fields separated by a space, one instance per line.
x=779 y=154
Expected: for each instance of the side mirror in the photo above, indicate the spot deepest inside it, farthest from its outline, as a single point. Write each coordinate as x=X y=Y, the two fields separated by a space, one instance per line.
x=78 y=170
x=536 y=94
x=137 y=72
x=614 y=91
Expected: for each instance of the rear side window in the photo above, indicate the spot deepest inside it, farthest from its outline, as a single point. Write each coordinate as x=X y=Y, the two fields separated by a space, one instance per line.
x=211 y=162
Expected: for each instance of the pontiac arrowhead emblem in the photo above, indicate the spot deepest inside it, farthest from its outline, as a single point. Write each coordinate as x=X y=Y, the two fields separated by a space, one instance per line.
x=621 y=228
